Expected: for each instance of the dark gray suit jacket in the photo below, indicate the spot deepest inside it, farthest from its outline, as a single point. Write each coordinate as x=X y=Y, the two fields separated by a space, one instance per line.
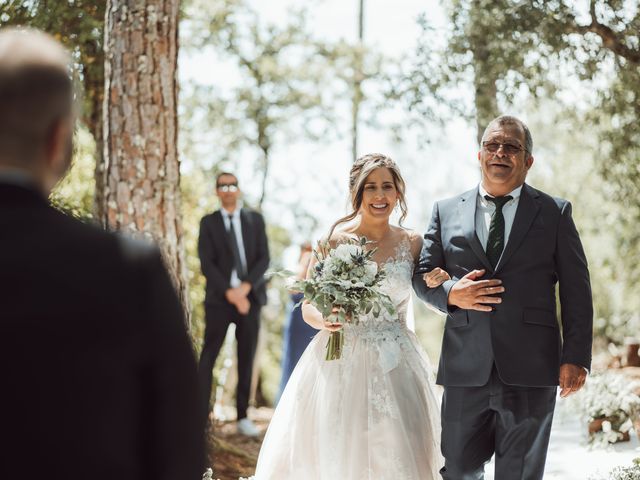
x=216 y=257
x=522 y=336
x=98 y=374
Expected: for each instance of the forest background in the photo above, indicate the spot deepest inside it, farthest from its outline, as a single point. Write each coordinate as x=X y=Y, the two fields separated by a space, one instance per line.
x=287 y=94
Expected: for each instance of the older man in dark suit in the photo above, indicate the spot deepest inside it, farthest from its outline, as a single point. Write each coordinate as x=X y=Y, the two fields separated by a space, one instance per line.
x=98 y=375
x=234 y=255
x=507 y=246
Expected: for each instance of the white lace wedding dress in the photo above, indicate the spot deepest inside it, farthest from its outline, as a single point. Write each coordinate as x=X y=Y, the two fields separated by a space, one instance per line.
x=372 y=414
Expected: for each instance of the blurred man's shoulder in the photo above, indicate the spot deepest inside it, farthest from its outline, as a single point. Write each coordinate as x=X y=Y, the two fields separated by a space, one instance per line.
x=254 y=216
x=117 y=245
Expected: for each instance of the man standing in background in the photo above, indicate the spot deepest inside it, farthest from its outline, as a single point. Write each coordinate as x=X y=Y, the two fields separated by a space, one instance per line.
x=234 y=257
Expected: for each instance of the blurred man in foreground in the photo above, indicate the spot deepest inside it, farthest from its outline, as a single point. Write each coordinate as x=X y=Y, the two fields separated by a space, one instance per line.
x=98 y=376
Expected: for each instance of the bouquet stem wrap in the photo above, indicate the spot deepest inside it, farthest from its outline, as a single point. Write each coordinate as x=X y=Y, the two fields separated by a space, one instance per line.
x=335 y=345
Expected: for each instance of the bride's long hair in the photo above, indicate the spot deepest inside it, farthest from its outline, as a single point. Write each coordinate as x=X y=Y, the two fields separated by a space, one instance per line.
x=360 y=170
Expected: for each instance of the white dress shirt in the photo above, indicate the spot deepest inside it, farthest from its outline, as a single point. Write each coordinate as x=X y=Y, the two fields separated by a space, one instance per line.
x=234 y=217
x=485 y=210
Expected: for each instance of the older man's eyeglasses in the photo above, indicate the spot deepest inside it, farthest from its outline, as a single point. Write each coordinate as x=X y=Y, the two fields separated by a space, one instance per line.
x=227 y=187
x=508 y=148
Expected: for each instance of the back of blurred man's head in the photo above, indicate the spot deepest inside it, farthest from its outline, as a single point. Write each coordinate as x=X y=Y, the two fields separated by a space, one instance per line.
x=36 y=105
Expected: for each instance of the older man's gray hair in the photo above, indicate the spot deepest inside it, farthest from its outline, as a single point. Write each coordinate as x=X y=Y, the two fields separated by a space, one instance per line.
x=510 y=120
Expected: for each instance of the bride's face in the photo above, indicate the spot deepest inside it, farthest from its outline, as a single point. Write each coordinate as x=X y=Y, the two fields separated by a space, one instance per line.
x=379 y=195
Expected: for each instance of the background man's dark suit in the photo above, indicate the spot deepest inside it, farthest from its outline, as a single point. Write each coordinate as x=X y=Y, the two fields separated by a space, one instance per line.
x=98 y=375
x=520 y=340
x=217 y=262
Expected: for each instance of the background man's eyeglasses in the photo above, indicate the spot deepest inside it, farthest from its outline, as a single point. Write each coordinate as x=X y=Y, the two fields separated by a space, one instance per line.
x=227 y=187
x=508 y=148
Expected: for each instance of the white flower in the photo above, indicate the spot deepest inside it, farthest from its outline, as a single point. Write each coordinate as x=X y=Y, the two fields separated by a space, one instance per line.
x=606 y=426
x=370 y=269
x=329 y=263
x=626 y=426
x=345 y=250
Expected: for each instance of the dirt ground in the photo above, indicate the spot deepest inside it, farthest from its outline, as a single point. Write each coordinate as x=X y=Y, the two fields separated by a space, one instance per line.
x=232 y=455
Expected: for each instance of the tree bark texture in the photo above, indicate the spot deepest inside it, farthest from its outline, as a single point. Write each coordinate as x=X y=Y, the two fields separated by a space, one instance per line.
x=486 y=91
x=485 y=73
x=141 y=168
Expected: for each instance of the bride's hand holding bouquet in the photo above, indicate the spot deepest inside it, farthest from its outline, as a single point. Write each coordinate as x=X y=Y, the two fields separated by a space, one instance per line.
x=343 y=285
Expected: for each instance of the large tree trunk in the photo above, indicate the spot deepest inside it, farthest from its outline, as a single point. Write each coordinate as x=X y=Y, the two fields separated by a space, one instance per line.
x=141 y=168
x=485 y=73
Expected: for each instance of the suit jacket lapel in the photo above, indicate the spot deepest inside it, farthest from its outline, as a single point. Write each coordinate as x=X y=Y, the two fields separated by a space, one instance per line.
x=528 y=208
x=222 y=229
x=246 y=232
x=467 y=211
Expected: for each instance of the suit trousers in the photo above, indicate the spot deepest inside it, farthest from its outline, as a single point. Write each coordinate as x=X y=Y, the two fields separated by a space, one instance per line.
x=218 y=318
x=514 y=422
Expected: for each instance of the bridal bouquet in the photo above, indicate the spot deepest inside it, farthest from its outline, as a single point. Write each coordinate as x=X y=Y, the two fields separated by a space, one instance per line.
x=346 y=280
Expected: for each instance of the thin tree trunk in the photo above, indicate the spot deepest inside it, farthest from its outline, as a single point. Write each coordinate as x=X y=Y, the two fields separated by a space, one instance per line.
x=141 y=166
x=264 y=142
x=265 y=175
x=357 y=84
x=485 y=96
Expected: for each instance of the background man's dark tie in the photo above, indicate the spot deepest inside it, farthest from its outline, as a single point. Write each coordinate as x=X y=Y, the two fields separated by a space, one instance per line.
x=495 y=243
x=237 y=259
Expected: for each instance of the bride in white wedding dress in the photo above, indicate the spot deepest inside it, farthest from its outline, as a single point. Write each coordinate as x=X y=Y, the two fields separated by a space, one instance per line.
x=373 y=413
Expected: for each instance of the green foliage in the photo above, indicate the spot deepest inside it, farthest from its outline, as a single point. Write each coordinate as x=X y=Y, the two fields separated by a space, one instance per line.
x=500 y=48
x=547 y=58
x=79 y=25
x=566 y=165
x=74 y=194
x=198 y=199
x=281 y=92
x=631 y=472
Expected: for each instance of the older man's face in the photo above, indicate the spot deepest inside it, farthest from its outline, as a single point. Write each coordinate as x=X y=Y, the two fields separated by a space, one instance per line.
x=503 y=159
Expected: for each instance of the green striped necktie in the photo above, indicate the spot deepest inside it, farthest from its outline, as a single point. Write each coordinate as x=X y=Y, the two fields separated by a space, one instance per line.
x=495 y=243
